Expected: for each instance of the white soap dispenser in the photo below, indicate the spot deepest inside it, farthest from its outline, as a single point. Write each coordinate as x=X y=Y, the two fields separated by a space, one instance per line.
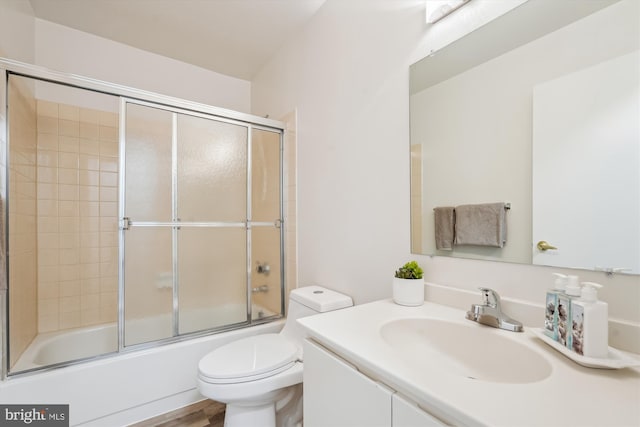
x=590 y=319
x=565 y=324
x=551 y=306
x=573 y=286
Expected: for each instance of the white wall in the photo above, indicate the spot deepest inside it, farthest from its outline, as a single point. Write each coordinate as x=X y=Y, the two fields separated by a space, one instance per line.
x=342 y=74
x=65 y=49
x=347 y=75
x=28 y=39
x=17 y=30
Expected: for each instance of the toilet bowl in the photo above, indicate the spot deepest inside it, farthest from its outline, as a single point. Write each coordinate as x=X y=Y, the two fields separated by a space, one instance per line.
x=260 y=377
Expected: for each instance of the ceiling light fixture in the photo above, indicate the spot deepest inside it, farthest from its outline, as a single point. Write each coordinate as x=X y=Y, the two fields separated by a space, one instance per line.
x=438 y=9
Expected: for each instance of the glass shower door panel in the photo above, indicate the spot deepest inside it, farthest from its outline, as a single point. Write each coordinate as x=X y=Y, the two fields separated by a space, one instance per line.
x=212 y=170
x=265 y=175
x=148 y=163
x=23 y=217
x=148 y=290
x=62 y=218
x=265 y=249
x=212 y=267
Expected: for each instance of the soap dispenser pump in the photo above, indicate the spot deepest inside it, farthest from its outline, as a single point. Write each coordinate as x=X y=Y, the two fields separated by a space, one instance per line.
x=552 y=306
x=590 y=319
x=573 y=286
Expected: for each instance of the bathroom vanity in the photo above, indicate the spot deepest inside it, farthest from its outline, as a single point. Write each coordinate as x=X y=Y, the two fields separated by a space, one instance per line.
x=336 y=393
x=381 y=364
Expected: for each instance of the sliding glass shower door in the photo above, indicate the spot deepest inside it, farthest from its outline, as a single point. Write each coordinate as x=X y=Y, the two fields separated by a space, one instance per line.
x=211 y=185
x=187 y=220
x=131 y=220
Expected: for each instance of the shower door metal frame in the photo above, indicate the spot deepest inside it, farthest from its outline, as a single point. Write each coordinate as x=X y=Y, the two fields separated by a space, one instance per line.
x=4 y=232
x=9 y=66
x=175 y=224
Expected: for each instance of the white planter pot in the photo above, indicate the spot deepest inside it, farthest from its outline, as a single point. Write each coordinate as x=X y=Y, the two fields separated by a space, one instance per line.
x=408 y=291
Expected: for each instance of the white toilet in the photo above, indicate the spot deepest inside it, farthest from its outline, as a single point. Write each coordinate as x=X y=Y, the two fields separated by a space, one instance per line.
x=260 y=377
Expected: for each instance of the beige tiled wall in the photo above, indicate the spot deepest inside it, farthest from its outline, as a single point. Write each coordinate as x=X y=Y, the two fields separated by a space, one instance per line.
x=77 y=178
x=22 y=219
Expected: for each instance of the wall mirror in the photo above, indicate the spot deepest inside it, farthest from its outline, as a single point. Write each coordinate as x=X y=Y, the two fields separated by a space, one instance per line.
x=539 y=108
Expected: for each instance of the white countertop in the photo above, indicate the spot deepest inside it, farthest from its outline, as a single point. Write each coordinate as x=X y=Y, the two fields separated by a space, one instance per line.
x=571 y=395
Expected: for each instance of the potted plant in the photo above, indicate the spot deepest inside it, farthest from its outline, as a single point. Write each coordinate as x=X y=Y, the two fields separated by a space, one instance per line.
x=408 y=286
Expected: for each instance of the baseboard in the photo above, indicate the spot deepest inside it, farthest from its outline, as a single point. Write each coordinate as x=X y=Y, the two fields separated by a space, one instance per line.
x=149 y=410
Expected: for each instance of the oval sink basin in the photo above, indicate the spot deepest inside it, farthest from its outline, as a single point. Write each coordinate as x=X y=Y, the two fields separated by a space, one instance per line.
x=478 y=353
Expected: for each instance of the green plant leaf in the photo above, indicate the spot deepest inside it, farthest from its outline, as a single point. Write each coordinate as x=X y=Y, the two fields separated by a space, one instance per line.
x=410 y=270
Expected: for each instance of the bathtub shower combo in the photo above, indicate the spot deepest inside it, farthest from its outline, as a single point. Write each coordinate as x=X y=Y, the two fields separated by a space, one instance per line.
x=131 y=219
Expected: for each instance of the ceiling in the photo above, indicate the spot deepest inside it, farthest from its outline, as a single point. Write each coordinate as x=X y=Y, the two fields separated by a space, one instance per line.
x=231 y=37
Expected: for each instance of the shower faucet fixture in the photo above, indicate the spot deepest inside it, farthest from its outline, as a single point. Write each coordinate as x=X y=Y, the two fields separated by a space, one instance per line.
x=261 y=289
x=263 y=268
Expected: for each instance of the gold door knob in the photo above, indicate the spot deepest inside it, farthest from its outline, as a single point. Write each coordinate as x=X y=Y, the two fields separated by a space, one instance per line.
x=544 y=246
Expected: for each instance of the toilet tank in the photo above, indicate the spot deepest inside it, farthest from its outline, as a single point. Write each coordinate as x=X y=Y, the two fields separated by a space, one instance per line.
x=320 y=299
x=307 y=301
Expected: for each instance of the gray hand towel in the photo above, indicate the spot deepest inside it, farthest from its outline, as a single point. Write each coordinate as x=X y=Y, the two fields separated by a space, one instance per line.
x=444 y=217
x=481 y=225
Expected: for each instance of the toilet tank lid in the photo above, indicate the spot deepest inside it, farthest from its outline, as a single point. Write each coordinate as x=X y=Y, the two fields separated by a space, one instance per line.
x=320 y=299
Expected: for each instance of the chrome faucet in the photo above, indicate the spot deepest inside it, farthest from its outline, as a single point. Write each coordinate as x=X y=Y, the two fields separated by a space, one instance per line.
x=490 y=313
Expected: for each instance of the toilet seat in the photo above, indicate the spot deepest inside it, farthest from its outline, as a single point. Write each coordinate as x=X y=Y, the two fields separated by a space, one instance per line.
x=248 y=359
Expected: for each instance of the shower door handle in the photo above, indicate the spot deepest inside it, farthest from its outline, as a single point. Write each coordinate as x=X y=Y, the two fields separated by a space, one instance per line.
x=125 y=223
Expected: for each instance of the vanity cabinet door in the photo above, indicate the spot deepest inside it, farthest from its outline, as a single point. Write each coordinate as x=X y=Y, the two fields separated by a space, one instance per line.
x=408 y=414
x=336 y=394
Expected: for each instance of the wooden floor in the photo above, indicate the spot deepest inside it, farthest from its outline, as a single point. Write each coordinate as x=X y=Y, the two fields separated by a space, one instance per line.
x=206 y=413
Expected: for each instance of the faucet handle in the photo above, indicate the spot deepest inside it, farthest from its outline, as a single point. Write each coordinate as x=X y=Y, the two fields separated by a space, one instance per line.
x=488 y=295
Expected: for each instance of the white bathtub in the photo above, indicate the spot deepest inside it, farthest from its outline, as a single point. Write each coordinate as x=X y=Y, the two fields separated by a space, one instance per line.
x=56 y=347
x=118 y=390
x=73 y=344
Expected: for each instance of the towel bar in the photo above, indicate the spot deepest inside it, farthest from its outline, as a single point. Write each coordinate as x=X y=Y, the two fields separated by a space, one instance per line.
x=506 y=206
